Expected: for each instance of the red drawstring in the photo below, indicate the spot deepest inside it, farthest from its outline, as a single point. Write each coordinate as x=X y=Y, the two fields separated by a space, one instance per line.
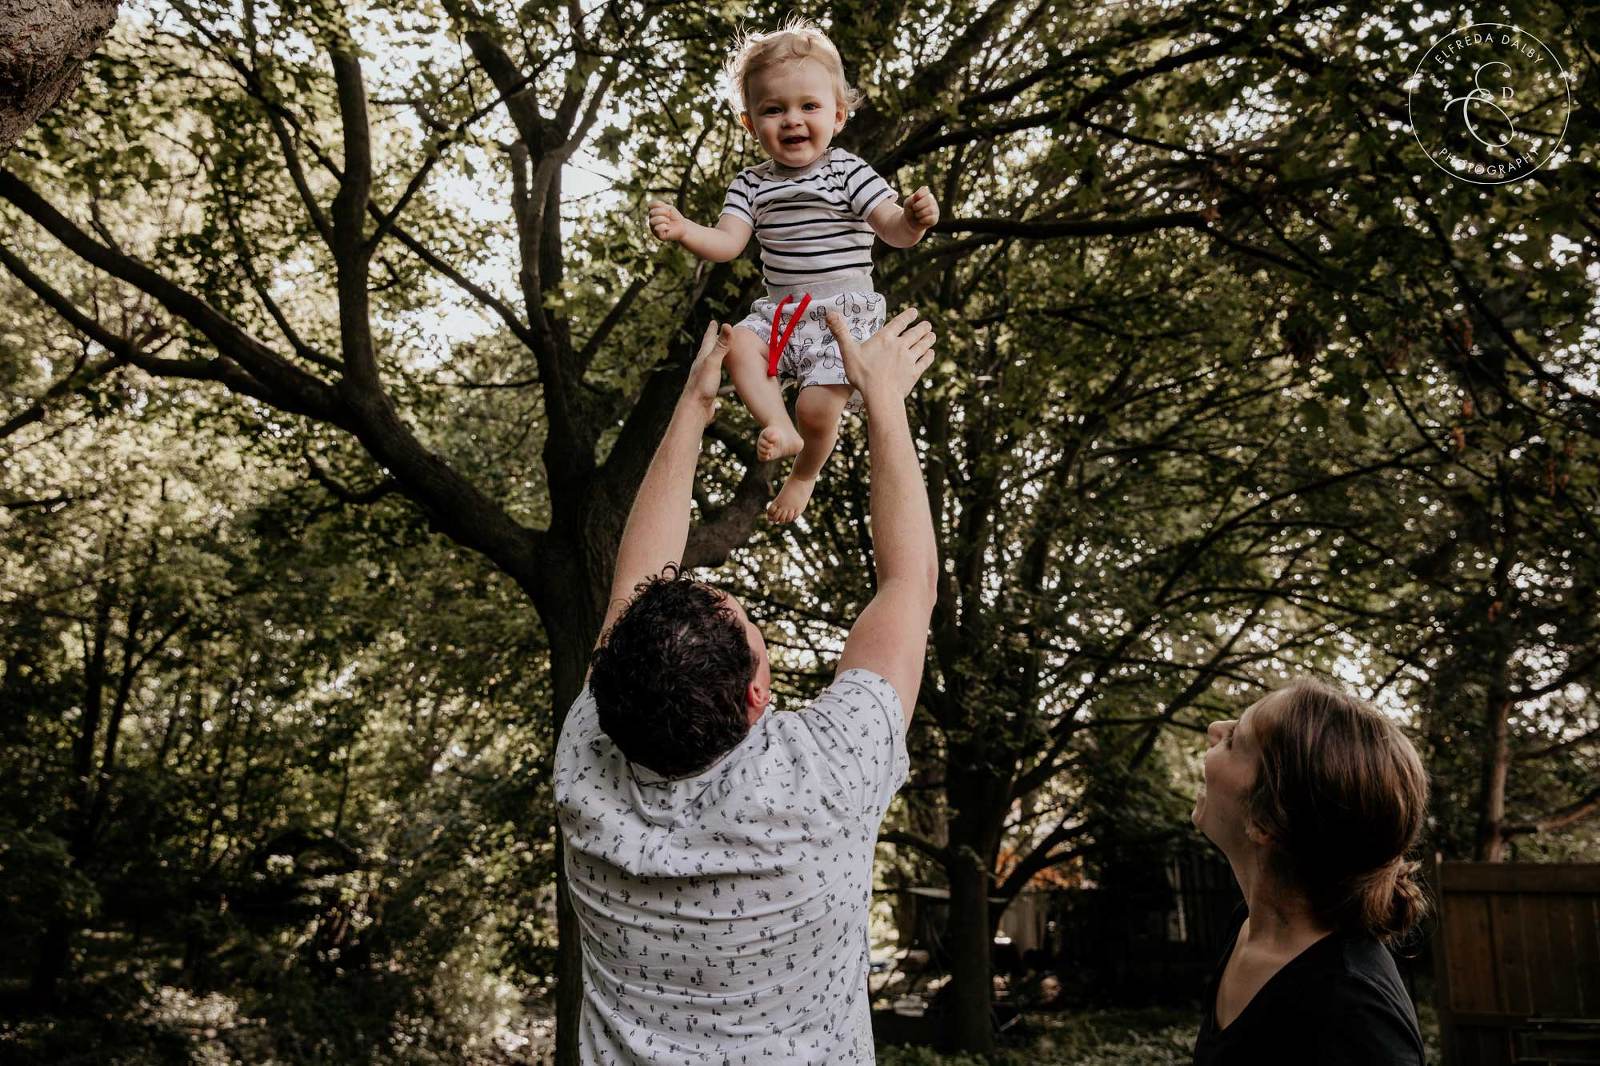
x=778 y=343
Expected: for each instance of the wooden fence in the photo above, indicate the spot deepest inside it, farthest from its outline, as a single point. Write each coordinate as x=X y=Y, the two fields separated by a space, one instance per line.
x=1517 y=963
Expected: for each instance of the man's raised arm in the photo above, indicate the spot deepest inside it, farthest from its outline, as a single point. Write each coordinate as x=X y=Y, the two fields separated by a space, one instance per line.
x=658 y=523
x=891 y=636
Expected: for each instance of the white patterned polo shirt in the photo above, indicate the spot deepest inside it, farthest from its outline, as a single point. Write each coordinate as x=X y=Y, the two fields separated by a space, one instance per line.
x=724 y=915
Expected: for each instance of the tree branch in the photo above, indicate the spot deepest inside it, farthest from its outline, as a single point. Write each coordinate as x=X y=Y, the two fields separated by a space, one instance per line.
x=916 y=843
x=351 y=251
x=286 y=385
x=1571 y=814
x=720 y=532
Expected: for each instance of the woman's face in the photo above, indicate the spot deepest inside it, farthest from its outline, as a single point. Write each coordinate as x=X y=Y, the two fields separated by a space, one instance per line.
x=1232 y=757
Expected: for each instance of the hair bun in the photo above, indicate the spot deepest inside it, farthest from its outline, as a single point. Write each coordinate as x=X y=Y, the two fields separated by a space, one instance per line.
x=1409 y=904
x=1392 y=899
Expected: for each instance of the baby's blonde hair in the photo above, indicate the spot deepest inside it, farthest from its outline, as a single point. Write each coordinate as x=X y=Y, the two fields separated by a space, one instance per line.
x=797 y=38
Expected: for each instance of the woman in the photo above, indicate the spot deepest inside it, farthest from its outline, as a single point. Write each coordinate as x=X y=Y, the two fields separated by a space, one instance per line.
x=1315 y=798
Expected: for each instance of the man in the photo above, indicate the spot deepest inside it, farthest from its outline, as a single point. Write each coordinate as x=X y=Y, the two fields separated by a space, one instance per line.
x=720 y=857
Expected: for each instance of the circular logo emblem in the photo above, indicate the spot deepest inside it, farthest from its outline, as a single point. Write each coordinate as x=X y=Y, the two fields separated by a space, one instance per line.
x=1489 y=103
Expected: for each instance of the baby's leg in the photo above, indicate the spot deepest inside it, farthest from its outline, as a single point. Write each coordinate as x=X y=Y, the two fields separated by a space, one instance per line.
x=817 y=410
x=747 y=366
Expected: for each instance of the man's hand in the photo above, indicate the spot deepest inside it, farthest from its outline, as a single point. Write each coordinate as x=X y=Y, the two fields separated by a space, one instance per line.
x=887 y=364
x=666 y=221
x=922 y=209
x=705 y=375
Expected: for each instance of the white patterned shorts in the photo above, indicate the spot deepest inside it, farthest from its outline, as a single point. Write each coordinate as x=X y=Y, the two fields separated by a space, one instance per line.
x=812 y=354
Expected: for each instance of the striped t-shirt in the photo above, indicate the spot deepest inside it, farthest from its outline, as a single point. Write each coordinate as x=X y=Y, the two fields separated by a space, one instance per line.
x=811 y=223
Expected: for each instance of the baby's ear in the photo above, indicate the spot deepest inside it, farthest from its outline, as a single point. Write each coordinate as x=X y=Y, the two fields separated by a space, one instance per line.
x=744 y=120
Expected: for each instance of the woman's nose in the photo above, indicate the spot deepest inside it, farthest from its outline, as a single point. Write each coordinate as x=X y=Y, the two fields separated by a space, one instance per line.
x=1215 y=732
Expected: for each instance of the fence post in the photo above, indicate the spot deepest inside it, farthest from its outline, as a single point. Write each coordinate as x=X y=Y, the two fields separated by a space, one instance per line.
x=1441 y=965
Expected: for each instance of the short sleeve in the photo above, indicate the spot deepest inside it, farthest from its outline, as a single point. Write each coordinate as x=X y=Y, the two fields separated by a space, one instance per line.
x=864 y=188
x=860 y=731
x=577 y=730
x=1361 y=1026
x=737 y=202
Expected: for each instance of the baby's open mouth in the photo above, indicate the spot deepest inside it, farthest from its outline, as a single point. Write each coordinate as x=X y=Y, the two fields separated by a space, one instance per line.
x=797 y=139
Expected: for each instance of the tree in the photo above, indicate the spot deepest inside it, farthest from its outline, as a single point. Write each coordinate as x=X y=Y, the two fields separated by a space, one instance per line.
x=309 y=757
x=1049 y=135
x=1167 y=467
x=43 y=47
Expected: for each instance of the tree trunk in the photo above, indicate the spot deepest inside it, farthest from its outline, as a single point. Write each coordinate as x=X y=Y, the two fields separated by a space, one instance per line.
x=1497 y=704
x=979 y=799
x=967 y=942
x=572 y=626
x=43 y=45
x=50 y=965
x=1496 y=763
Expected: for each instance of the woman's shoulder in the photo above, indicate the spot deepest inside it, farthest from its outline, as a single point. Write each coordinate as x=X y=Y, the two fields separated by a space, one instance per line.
x=1355 y=986
x=1362 y=960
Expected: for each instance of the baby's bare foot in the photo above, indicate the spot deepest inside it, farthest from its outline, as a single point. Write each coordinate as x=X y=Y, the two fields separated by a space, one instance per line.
x=776 y=442
x=792 y=499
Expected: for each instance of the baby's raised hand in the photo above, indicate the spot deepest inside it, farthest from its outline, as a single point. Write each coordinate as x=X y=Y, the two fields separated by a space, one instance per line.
x=666 y=221
x=922 y=208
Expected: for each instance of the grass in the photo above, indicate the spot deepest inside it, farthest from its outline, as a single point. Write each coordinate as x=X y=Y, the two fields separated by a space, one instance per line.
x=1151 y=1036
x=1148 y=1036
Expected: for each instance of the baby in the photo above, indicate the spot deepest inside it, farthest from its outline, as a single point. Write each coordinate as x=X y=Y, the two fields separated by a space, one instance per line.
x=814 y=209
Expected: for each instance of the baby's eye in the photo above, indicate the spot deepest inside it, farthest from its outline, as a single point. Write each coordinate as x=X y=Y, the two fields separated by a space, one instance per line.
x=812 y=107
x=770 y=111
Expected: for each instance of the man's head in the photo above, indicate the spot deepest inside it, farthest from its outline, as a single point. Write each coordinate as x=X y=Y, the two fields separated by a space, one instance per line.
x=680 y=676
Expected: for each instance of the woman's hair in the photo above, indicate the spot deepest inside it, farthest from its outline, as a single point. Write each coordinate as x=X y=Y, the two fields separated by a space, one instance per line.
x=669 y=676
x=1342 y=793
x=797 y=38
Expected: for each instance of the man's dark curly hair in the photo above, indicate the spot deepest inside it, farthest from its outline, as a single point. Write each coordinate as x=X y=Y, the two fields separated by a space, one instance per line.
x=669 y=677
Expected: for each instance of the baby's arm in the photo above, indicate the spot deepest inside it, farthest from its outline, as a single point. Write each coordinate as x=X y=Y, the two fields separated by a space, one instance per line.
x=719 y=243
x=904 y=226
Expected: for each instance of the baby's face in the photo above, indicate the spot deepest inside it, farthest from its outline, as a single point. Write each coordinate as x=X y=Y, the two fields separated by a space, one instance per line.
x=794 y=111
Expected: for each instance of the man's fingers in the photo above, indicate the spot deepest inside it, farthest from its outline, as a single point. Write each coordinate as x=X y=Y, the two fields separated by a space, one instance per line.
x=902 y=320
x=841 y=332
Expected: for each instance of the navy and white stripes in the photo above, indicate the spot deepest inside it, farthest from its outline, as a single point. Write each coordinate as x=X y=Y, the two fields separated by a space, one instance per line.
x=811 y=223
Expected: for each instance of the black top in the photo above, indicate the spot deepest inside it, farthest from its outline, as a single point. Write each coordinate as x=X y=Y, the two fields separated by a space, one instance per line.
x=1339 y=1002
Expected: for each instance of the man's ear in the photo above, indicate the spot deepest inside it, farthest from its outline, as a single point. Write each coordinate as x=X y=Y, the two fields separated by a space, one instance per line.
x=756 y=699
